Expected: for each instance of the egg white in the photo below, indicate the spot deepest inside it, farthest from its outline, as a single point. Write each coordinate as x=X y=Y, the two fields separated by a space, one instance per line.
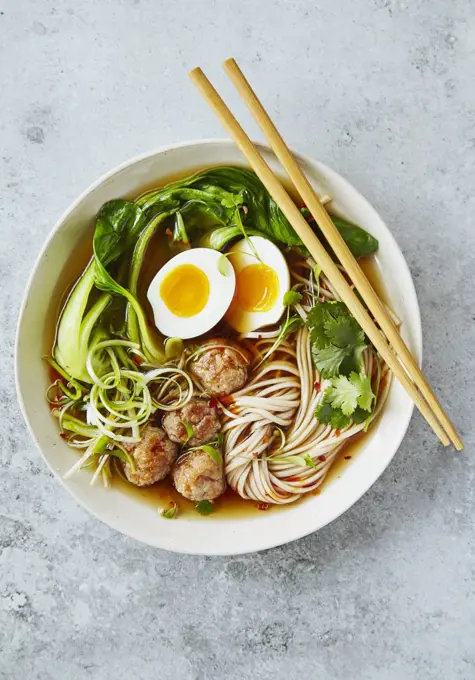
x=221 y=291
x=242 y=256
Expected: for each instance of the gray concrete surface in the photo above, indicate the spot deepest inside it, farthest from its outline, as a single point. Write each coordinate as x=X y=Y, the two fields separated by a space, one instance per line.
x=383 y=91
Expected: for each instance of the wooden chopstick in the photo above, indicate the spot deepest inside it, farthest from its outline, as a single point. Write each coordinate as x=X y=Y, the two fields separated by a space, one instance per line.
x=338 y=244
x=310 y=240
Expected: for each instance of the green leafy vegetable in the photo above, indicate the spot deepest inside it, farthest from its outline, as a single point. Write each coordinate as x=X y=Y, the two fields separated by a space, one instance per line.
x=216 y=194
x=118 y=227
x=179 y=240
x=359 y=241
x=205 y=507
x=346 y=399
x=133 y=327
x=337 y=339
x=328 y=415
x=78 y=327
x=348 y=393
x=292 y=297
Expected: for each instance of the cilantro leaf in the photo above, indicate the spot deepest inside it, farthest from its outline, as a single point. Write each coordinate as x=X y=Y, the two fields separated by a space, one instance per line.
x=353 y=361
x=359 y=415
x=337 y=339
x=344 y=331
x=328 y=415
x=292 y=297
x=204 y=507
x=324 y=411
x=343 y=394
x=349 y=393
x=329 y=360
x=366 y=396
x=346 y=399
x=338 y=420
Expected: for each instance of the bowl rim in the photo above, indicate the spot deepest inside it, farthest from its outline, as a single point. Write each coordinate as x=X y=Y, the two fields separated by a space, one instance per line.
x=265 y=544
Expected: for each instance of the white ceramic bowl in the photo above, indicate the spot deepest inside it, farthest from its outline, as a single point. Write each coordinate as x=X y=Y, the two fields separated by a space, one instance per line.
x=208 y=535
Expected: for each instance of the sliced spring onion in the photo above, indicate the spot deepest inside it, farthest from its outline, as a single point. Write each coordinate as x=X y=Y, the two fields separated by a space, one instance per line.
x=96 y=447
x=108 y=345
x=78 y=388
x=166 y=376
x=171 y=512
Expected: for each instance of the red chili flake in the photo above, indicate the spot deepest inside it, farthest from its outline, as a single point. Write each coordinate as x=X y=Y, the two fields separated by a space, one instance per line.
x=149 y=323
x=322 y=458
x=169 y=233
x=337 y=433
x=316 y=386
x=265 y=438
x=227 y=399
x=347 y=457
x=63 y=435
x=263 y=506
x=259 y=337
x=213 y=402
x=136 y=360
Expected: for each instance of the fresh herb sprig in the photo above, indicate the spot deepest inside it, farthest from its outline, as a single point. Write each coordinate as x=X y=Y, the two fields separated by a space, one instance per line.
x=336 y=338
x=345 y=400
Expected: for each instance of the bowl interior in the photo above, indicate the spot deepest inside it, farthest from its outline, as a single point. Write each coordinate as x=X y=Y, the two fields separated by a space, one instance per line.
x=57 y=265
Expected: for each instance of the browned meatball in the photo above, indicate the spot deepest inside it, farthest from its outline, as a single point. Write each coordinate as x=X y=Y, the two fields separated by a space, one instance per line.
x=198 y=477
x=202 y=418
x=221 y=370
x=154 y=456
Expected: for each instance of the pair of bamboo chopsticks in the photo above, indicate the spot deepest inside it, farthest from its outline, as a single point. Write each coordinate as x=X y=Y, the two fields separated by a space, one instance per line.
x=393 y=349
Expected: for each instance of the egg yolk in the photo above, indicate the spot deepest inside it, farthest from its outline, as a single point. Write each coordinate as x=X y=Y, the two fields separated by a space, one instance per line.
x=185 y=290
x=257 y=288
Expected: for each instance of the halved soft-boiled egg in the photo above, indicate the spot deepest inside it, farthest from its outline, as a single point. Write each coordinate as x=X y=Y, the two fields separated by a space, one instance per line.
x=262 y=279
x=191 y=292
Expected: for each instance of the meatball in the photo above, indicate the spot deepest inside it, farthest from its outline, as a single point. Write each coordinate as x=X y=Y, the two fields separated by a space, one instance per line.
x=221 y=370
x=198 y=477
x=202 y=418
x=154 y=456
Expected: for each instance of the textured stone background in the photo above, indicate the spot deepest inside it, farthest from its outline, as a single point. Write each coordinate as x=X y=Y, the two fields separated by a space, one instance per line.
x=383 y=91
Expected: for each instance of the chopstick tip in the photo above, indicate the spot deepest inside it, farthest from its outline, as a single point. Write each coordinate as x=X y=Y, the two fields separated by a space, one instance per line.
x=196 y=71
